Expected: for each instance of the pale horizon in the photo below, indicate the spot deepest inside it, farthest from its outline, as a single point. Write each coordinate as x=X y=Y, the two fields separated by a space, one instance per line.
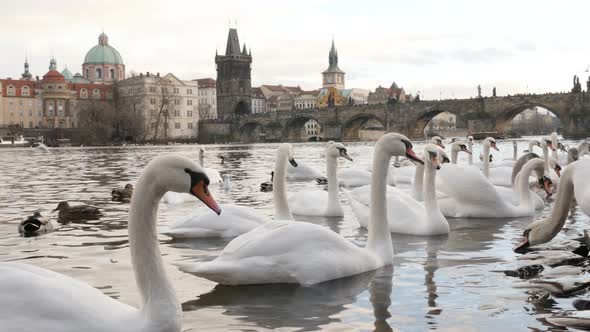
x=524 y=47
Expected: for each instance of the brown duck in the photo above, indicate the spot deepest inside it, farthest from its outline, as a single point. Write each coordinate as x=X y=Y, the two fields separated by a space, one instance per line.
x=69 y=213
x=123 y=195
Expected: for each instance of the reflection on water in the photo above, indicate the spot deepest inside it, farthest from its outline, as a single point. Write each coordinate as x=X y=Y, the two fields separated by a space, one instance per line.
x=444 y=282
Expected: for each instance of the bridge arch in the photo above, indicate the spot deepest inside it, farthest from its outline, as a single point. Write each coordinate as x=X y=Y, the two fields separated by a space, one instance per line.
x=416 y=127
x=293 y=129
x=350 y=129
x=250 y=132
x=505 y=117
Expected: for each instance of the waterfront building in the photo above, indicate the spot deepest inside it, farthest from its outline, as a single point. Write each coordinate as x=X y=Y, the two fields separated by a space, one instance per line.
x=258 y=101
x=307 y=100
x=207 y=98
x=355 y=96
x=159 y=107
x=312 y=131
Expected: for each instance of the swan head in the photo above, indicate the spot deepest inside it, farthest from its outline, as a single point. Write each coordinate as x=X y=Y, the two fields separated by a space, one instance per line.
x=573 y=154
x=330 y=143
x=336 y=150
x=561 y=147
x=129 y=186
x=490 y=142
x=437 y=141
x=470 y=139
x=556 y=167
x=460 y=146
x=431 y=155
x=535 y=142
x=286 y=149
x=398 y=145
x=546 y=142
x=514 y=144
x=182 y=175
x=538 y=232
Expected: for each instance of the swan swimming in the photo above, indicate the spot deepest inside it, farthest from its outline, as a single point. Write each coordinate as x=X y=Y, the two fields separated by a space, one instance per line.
x=305 y=253
x=37 y=299
x=574 y=183
x=405 y=214
x=236 y=219
x=320 y=202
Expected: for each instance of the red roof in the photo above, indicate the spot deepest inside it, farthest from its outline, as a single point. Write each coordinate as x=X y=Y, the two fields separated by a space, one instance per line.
x=53 y=76
x=18 y=85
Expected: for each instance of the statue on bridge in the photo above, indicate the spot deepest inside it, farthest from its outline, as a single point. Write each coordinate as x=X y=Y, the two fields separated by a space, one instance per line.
x=588 y=85
x=494 y=92
x=478 y=91
x=577 y=86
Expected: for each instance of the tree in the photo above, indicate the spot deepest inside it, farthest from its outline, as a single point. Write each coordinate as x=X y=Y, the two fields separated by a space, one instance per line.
x=97 y=118
x=161 y=105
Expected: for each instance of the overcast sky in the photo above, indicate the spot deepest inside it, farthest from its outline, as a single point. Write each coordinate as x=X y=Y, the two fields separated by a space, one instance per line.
x=436 y=47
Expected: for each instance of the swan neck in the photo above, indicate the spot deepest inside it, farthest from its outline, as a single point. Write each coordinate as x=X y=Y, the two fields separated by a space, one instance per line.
x=430 y=188
x=560 y=211
x=523 y=183
x=202 y=158
x=331 y=172
x=379 y=239
x=486 y=160
x=531 y=146
x=514 y=152
x=282 y=211
x=454 y=154
x=419 y=182
x=546 y=157
x=156 y=290
x=470 y=156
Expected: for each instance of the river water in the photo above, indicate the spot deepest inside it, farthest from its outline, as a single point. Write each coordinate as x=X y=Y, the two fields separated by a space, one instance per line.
x=445 y=283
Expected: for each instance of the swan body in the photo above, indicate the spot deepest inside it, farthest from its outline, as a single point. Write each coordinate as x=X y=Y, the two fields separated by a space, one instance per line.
x=302 y=172
x=212 y=174
x=236 y=220
x=305 y=253
x=470 y=194
x=407 y=215
x=574 y=184
x=36 y=299
x=319 y=202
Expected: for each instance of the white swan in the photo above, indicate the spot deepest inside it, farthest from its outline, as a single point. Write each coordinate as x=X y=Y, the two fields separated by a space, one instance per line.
x=236 y=219
x=574 y=183
x=417 y=191
x=303 y=172
x=36 y=299
x=472 y=195
x=305 y=253
x=456 y=147
x=405 y=214
x=320 y=202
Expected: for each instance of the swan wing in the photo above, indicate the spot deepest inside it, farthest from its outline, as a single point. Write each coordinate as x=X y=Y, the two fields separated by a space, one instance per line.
x=302 y=172
x=581 y=180
x=309 y=202
x=354 y=178
x=286 y=252
x=55 y=302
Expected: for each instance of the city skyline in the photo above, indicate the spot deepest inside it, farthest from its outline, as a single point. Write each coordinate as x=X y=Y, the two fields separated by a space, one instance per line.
x=516 y=47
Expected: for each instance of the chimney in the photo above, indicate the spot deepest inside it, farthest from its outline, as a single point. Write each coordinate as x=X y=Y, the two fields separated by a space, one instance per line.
x=158 y=74
x=147 y=74
x=140 y=74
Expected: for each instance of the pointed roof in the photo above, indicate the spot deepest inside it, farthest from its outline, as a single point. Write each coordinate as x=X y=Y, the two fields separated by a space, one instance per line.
x=27 y=75
x=244 y=51
x=333 y=60
x=233 y=43
x=67 y=73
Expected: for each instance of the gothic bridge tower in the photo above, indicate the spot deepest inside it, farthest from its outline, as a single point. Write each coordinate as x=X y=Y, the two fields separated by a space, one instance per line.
x=234 y=96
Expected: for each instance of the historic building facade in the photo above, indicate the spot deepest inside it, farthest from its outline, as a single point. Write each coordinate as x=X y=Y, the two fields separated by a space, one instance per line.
x=207 y=98
x=159 y=107
x=234 y=85
x=333 y=77
x=103 y=63
x=258 y=101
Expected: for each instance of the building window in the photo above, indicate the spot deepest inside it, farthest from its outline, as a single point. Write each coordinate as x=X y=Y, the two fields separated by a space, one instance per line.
x=152 y=89
x=109 y=95
x=189 y=114
x=189 y=102
x=176 y=113
x=99 y=73
x=11 y=91
x=189 y=125
x=96 y=94
x=176 y=101
x=25 y=91
x=153 y=101
x=112 y=74
x=176 y=90
x=189 y=91
x=30 y=113
x=176 y=125
x=83 y=93
x=30 y=124
x=164 y=89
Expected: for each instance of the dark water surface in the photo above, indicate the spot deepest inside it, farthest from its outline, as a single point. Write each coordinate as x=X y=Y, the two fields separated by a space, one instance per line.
x=441 y=283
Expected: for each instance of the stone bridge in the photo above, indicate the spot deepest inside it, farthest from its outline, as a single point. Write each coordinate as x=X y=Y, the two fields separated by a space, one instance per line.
x=343 y=123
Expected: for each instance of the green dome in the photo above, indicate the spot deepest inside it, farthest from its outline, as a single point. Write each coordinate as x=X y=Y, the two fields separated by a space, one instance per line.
x=67 y=74
x=103 y=53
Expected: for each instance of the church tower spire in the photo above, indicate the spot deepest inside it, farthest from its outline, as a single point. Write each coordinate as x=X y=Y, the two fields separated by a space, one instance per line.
x=52 y=64
x=26 y=75
x=333 y=76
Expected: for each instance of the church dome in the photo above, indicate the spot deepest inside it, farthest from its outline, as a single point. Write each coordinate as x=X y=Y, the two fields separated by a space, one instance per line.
x=103 y=53
x=67 y=73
